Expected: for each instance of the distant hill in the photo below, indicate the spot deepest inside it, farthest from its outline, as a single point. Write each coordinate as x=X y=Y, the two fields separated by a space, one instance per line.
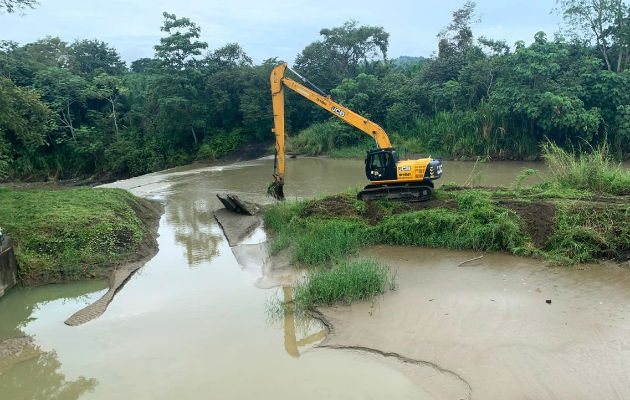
x=406 y=61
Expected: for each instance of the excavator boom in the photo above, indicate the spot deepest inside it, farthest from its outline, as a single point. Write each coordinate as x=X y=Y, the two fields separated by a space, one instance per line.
x=413 y=178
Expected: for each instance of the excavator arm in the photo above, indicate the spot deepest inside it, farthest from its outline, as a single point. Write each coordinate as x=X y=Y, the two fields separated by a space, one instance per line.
x=390 y=178
x=278 y=83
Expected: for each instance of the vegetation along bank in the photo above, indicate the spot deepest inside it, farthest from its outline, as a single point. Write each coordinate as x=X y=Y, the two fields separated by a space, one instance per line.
x=70 y=234
x=581 y=214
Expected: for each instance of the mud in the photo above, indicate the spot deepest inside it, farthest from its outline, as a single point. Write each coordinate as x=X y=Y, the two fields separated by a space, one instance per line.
x=345 y=206
x=490 y=326
x=149 y=212
x=538 y=218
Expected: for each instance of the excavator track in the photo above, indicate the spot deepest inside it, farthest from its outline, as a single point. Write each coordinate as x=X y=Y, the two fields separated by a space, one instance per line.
x=414 y=191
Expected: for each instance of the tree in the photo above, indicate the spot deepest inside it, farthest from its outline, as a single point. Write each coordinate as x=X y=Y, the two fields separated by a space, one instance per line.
x=455 y=42
x=8 y=62
x=64 y=92
x=109 y=88
x=49 y=51
x=231 y=55
x=604 y=22
x=341 y=51
x=24 y=121
x=357 y=43
x=458 y=35
x=88 y=57
x=11 y=6
x=145 y=64
x=178 y=49
x=179 y=81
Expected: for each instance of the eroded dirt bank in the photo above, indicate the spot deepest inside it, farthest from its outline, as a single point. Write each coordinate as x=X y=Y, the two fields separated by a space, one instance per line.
x=489 y=323
x=149 y=212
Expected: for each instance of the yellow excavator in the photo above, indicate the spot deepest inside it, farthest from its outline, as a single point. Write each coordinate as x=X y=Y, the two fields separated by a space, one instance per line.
x=390 y=178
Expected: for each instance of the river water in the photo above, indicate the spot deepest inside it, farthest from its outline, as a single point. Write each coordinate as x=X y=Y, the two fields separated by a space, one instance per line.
x=193 y=323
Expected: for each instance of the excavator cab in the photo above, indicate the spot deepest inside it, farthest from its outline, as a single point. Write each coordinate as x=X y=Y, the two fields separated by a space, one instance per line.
x=380 y=164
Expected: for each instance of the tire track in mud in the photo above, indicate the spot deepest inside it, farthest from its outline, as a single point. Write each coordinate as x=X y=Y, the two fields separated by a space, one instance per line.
x=318 y=315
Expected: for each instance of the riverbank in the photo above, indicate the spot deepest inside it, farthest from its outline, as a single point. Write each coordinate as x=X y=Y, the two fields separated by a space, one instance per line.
x=561 y=226
x=82 y=233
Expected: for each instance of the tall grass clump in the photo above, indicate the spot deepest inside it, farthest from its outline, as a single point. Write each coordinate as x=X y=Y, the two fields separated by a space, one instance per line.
x=584 y=234
x=282 y=220
x=349 y=281
x=320 y=242
x=475 y=224
x=594 y=171
x=313 y=241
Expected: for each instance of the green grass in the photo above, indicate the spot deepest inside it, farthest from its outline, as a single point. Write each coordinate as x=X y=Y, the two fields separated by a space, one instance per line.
x=349 y=281
x=581 y=231
x=585 y=234
x=322 y=242
x=594 y=171
x=68 y=234
x=476 y=224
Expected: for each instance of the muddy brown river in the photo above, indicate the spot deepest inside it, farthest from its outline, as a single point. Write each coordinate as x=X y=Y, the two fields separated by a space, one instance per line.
x=194 y=322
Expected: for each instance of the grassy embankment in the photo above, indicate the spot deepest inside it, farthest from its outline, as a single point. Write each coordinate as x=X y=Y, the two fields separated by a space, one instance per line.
x=71 y=234
x=582 y=214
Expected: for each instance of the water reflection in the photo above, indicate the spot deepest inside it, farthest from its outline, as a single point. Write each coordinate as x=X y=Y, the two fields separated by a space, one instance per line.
x=190 y=215
x=32 y=374
x=291 y=344
x=17 y=306
x=27 y=372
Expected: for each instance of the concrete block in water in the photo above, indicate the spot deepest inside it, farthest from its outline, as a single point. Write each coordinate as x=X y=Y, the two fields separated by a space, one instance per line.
x=8 y=266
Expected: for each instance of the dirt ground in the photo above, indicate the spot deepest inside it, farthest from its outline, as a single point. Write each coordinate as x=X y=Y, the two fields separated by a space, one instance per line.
x=538 y=218
x=509 y=327
x=344 y=206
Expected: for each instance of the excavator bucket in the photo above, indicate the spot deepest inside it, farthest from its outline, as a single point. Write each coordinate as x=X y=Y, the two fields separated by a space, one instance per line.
x=233 y=203
x=276 y=190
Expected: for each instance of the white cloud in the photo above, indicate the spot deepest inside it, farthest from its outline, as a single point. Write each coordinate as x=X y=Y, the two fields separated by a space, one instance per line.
x=267 y=29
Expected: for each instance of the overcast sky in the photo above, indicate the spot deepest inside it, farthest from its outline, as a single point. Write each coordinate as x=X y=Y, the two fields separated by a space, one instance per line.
x=268 y=29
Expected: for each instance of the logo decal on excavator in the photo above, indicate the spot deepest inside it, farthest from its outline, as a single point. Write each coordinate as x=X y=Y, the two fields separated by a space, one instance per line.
x=338 y=112
x=404 y=169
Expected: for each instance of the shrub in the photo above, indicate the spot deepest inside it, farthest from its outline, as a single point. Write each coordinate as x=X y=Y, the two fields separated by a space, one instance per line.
x=349 y=281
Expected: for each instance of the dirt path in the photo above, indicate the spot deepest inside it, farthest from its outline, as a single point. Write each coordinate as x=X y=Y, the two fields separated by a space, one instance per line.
x=489 y=324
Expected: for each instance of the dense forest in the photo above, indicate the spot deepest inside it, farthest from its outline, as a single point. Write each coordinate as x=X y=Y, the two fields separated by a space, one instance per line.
x=76 y=109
